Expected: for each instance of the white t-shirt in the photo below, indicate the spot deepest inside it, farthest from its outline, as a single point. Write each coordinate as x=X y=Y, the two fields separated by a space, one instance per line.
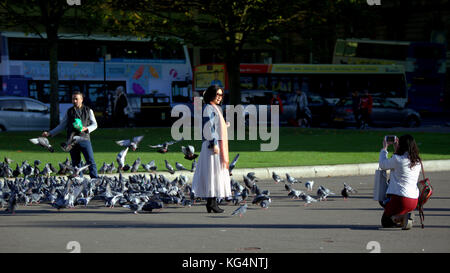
x=403 y=179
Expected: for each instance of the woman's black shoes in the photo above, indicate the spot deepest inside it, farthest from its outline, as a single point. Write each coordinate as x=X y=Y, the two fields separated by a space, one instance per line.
x=211 y=205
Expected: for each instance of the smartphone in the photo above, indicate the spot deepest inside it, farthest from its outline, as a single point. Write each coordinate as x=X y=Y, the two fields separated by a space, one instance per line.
x=390 y=139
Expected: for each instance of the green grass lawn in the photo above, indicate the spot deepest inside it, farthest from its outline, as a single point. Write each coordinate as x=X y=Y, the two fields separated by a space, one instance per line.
x=297 y=147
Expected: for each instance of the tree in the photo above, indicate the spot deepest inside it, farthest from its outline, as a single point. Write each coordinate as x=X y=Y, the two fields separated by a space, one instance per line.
x=46 y=18
x=223 y=24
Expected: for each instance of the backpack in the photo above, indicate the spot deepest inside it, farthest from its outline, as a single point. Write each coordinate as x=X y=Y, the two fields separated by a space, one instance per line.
x=425 y=192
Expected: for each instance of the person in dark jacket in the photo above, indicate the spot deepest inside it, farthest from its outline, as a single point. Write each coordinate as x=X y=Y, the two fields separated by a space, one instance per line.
x=74 y=115
x=120 y=106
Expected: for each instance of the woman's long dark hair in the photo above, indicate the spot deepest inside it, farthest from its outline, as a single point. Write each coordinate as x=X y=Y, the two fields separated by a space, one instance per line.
x=406 y=143
x=210 y=93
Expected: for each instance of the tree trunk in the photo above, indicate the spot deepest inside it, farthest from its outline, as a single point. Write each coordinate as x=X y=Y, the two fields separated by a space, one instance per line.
x=52 y=38
x=234 y=73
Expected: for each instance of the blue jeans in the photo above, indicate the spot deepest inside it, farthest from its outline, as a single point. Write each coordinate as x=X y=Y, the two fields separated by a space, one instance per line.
x=84 y=147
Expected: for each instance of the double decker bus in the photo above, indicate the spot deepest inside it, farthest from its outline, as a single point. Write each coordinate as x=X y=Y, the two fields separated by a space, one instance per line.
x=424 y=62
x=148 y=71
x=331 y=81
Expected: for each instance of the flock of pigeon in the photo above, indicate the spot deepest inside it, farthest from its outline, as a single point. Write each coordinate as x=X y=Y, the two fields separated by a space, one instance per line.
x=138 y=192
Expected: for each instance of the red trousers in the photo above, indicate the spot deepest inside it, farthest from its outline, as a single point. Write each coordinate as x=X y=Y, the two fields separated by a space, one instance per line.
x=397 y=205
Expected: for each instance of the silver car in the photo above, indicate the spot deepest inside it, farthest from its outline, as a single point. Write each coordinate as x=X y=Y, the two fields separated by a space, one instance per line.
x=23 y=114
x=385 y=113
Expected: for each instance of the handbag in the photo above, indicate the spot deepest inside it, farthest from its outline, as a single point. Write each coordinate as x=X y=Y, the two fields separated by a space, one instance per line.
x=425 y=192
x=380 y=185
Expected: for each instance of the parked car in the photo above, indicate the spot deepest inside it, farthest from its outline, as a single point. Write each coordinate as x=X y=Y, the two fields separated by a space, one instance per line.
x=321 y=109
x=23 y=114
x=385 y=112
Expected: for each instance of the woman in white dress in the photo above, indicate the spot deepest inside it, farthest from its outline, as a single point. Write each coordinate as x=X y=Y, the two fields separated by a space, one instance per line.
x=211 y=178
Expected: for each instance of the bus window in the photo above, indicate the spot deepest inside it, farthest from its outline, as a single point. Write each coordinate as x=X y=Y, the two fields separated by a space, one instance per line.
x=262 y=82
x=281 y=84
x=246 y=82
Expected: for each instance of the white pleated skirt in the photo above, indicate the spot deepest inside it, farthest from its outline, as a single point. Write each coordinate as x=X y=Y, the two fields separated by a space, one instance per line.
x=210 y=178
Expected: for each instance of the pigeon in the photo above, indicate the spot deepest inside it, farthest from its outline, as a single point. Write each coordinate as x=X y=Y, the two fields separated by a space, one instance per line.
x=104 y=168
x=135 y=207
x=248 y=182
x=287 y=187
x=8 y=160
x=73 y=139
x=233 y=164
x=347 y=190
x=150 y=167
x=84 y=200
x=163 y=148
x=260 y=197
x=152 y=204
x=121 y=159
x=77 y=170
x=323 y=193
x=133 y=143
x=240 y=211
x=309 y=185
x=189 y=152
x=43 y=142
x=265 y=204
x=308 y=199
x=277 y=178
x=252 y=176
x=169 y=167
x=295 y=194
x=291 y=179
x=12 y=203
x=180 y=167
x=135 y=166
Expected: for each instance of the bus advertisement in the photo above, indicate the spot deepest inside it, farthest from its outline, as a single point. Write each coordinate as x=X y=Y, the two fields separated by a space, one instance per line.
x=424 y=62
x=96 y=66
x=332 y=81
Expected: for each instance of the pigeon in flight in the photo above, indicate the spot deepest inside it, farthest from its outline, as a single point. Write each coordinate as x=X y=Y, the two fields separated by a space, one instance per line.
x=240 y=211
x=73 y=139
x=133 y=143
x=43 y=142
x=189 y=152
x=233 y=163
x=163 y=148
x=121 y=159
x=277 y=178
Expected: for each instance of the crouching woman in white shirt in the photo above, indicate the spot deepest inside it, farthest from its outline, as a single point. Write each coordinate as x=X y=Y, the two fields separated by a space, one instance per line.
x=402 y=192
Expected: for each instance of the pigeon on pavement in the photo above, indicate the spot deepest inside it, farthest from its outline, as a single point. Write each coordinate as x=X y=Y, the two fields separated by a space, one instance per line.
x=240 y=211
x=169 y=167
x=309 y=185
x=277 y=178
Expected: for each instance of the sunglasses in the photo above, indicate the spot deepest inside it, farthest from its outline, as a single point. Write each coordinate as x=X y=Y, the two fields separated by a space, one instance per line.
x=219 y=95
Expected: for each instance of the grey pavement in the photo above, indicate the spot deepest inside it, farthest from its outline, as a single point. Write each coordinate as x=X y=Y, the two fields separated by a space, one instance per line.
x=332 y=226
